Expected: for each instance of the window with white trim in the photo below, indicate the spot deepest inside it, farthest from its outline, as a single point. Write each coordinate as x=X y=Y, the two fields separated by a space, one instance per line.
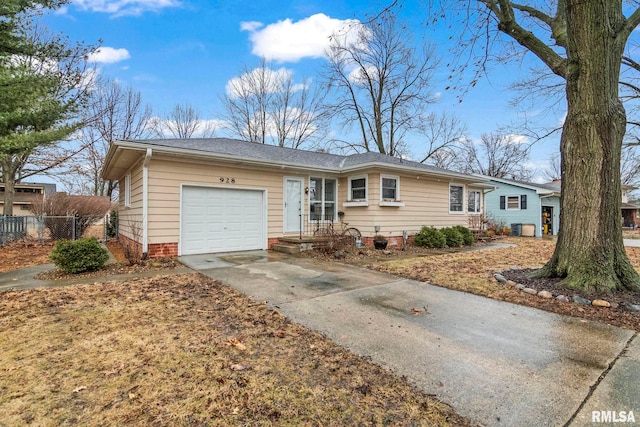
x=474 y=202
x=513 y=202
x=127 y=190
x=322 y=199
x=456 y=198
x=389 y=188
x=358 y=188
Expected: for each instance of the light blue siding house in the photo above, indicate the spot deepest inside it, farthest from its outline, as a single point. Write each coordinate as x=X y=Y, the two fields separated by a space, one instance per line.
x=525 y=204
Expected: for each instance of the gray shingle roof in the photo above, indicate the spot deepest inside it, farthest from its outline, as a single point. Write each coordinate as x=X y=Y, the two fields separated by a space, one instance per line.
x=233 y=148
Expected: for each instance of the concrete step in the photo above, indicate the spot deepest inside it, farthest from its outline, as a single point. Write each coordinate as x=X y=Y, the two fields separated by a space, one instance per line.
x=288 y=248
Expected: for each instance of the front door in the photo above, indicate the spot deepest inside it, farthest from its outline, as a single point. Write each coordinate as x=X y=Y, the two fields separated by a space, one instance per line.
x=547 y=220
x=292 y=204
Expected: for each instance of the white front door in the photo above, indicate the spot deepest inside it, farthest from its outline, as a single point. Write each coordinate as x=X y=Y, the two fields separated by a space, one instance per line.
x=292 y=204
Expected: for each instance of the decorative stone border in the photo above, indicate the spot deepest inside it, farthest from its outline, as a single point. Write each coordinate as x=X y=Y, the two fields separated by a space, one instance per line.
x=575 y=298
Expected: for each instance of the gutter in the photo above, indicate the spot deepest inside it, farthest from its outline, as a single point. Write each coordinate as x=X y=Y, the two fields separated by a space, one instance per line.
x=145 y=203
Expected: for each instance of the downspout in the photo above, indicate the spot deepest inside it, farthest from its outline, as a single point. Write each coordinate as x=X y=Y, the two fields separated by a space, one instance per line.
x=145 y=204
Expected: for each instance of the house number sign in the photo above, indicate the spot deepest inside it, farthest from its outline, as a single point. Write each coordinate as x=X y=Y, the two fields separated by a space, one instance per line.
x=227 y=180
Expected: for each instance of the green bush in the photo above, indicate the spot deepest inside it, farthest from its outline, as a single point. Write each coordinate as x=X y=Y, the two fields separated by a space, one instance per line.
x=77 y=256
x=453 y=237
x=467 y=235
x=430 y=237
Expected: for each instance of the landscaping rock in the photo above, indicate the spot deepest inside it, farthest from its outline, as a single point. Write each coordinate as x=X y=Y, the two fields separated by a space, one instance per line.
x=563 y=298
x=580 y=300
x=530 y=291
x=339 y=254
x=614 y=305
x=387 y=252
x=600 y=303
x=511 y=283
x=545 y=294
x=520 y=286
x=632 y=307
x=500 y=278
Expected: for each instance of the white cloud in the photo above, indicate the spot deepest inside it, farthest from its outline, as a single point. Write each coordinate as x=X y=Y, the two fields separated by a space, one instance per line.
x=288 y=41
x=515 y=138
x=250 y=26
x=270 y=80
x=61 y=10
x=108 y=55
x=126 y=7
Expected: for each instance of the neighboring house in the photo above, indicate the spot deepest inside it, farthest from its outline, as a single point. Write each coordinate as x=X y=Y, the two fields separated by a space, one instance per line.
x=27 y=196
x=188 y=196
x=524 y=203
x=630 y=208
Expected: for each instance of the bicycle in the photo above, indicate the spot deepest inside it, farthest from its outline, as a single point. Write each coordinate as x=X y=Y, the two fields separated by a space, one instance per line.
x=327 y=230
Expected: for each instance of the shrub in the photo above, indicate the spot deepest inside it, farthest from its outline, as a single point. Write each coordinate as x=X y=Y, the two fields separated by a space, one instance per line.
x=430 y=237
x=112 y=225
x=77 y=256
x=453 y=237
x=467 y=235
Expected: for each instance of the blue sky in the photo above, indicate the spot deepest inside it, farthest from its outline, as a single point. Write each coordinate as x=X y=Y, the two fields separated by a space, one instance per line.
x=185 y=51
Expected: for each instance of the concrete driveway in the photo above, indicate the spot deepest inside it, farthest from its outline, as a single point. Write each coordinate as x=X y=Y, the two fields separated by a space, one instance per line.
x=497 y=363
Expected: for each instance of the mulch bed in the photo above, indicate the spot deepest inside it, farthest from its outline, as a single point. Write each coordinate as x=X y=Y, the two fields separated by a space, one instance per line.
x=617 y=316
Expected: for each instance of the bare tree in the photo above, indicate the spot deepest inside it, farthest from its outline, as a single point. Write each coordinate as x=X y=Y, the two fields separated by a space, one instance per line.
x=583 y=43
x=553 y=170
x=380 y=81
x=443 y=133
x=266 y=106
x=184 y=121
x=497 y=155
x=114 y=112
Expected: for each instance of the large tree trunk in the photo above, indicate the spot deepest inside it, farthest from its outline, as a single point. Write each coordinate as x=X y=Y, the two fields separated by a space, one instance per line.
x=589 y=253
x=9 y=192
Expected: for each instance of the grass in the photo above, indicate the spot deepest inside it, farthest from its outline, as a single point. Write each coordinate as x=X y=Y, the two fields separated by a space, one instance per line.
x=472 y=272
x=185 y=350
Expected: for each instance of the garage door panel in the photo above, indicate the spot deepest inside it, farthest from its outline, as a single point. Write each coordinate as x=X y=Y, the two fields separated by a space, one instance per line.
x=222 y=220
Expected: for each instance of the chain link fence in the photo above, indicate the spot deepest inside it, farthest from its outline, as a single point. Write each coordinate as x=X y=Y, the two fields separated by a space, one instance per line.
x=47 y=228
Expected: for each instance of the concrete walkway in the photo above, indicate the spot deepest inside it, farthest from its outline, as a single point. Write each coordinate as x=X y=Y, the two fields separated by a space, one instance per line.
x=497 y=363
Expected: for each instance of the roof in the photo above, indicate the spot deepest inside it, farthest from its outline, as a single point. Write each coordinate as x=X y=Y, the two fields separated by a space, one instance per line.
x=243 y=151
x=549 y=189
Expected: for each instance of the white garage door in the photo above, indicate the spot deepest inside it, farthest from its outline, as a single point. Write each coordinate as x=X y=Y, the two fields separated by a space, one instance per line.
x=221 y=220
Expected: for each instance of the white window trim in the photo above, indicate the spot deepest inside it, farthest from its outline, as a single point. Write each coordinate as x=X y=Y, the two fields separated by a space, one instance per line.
x=463 y=210
x=479 y=207
x=387 y=202
x=127 y=190
x=506 y=203
x=357 y=202
x=322 y=204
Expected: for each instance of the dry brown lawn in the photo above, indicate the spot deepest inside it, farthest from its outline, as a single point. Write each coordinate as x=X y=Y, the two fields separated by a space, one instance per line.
x=472 y=271
x=185 y=350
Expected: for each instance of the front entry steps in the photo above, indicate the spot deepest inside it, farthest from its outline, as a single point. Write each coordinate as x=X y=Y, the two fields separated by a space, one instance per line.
x=295 y=245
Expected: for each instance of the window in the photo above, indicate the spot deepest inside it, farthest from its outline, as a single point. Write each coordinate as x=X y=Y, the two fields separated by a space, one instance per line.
x=389 y=188
x=474 y=201
x=322 y=199
x=456 y=198
x=127 y=190
x=358 y=188
x=513 y=202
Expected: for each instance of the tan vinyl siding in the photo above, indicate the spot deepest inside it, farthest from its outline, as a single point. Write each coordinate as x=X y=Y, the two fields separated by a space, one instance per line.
x=167 y=176
x=426 y=202
x=130 y=218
